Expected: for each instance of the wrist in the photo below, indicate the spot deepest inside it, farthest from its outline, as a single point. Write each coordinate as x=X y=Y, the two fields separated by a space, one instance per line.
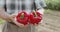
x=41 y=11
x=8 y=19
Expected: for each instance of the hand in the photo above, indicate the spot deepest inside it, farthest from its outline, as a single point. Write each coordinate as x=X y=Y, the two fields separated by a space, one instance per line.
x=35 y=24
x=41 y=11
x=19 y=24
x=14 y=21
x=10 y=18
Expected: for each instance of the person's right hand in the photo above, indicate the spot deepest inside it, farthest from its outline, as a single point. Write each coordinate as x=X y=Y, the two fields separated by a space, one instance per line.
x=12 y=17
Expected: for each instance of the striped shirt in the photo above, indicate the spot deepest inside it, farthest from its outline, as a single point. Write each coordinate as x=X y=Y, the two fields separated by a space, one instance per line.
x=14 y=6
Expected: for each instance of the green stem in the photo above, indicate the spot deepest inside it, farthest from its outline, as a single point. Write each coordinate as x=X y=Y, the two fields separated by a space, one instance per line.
x=22 y=16
x=35 y=14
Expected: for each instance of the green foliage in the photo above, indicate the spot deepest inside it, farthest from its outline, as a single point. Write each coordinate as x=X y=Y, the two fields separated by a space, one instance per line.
x=1 y=21
x=53 y=4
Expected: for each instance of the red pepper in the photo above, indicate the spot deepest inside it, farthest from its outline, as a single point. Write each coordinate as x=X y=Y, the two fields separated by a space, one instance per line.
x=35 y=17
x=22 y=17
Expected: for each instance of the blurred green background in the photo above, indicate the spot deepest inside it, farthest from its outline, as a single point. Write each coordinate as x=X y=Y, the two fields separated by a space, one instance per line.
x=53 y=4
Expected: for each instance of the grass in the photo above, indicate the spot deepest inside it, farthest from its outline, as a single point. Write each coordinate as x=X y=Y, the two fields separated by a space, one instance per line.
x=1 y=21
x=53 y=4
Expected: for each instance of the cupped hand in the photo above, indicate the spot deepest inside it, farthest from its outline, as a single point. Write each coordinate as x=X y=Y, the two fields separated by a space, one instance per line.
x=12 y=17
x=35 y=24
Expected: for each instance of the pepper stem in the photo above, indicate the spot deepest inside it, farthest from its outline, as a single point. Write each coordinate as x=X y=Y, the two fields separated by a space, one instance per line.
x=22 y=16
x=35 y=13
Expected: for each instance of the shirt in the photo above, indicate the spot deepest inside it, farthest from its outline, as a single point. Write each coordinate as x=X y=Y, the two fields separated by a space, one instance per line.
x=14 y=6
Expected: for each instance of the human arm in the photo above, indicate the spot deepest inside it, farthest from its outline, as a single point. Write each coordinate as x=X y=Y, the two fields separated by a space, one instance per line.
x=6 y=16
x=3 y=14
x=40 y=4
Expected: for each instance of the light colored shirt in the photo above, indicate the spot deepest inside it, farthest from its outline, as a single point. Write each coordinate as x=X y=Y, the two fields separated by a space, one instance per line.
x=14 y=6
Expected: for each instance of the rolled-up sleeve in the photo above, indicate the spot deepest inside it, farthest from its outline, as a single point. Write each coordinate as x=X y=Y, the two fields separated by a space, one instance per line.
x=2 y=3
x=40 y=3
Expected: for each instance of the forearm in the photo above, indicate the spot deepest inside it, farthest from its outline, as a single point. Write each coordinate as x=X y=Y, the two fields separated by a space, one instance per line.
x=41 y=10
x=4 y=15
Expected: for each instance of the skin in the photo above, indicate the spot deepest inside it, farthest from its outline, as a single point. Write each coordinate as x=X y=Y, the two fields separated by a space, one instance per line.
x=9 y=18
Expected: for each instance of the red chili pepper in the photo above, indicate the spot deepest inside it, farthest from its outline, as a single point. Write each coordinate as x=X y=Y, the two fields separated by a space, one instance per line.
x=22 y=18
x=35 y=17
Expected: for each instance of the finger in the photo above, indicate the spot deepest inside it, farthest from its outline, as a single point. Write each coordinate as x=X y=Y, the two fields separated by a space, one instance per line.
x=13 y=16
x=9 y=20
x=26 y=25
x=21 y=25
x=36 y=24
x=32 y=24
x=18 y=24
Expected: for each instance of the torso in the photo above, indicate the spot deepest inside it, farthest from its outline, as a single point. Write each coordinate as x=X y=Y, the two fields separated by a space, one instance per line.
x=8 y=27
x=16 y=6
